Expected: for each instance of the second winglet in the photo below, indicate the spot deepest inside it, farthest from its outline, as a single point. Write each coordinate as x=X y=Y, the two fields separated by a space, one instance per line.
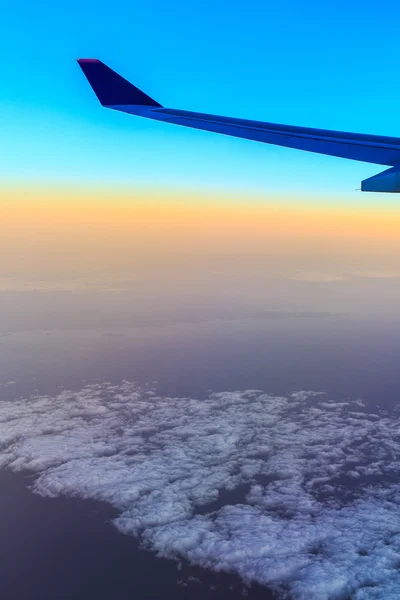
x=110 y=88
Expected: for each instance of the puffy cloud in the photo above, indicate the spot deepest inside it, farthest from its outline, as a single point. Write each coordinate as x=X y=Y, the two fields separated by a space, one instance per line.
x=300 y=493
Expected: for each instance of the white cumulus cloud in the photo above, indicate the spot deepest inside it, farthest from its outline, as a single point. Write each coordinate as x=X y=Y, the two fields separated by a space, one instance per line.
x=300 y=493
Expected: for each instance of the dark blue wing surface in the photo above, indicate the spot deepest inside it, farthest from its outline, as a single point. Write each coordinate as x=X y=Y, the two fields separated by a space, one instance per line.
x=111 y=88
x=115 y=92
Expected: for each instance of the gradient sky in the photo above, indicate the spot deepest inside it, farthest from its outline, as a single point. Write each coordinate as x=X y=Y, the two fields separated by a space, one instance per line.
x=331 y=65
x=108 y=219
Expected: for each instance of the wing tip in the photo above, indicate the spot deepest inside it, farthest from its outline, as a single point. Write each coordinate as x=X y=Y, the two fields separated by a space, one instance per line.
x=84 y=61
x=110 y=88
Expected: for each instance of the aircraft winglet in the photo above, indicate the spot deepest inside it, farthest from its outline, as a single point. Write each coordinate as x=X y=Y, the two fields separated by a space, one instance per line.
x=110 y=88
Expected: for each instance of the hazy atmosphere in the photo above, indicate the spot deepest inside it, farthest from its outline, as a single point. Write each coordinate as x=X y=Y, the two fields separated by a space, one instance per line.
x=102 y=258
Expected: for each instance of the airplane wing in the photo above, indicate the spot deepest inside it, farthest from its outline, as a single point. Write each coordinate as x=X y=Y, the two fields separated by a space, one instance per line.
x=113 y=91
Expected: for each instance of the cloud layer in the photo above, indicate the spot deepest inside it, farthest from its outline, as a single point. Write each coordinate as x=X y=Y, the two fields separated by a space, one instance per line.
x=300 y=493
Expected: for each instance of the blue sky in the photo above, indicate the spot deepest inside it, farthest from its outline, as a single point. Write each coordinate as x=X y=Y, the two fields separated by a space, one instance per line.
x=331 y=65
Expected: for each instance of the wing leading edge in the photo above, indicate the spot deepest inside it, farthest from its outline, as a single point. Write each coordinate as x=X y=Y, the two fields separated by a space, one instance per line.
x=113 y=91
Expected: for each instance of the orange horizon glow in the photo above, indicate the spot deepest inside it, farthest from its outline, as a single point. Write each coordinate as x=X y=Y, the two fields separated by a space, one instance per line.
x=170 y=246
x=84 y=228
x=53 y=212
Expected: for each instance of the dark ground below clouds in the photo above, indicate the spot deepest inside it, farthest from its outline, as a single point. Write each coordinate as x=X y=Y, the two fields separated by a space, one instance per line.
x=64 y=548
